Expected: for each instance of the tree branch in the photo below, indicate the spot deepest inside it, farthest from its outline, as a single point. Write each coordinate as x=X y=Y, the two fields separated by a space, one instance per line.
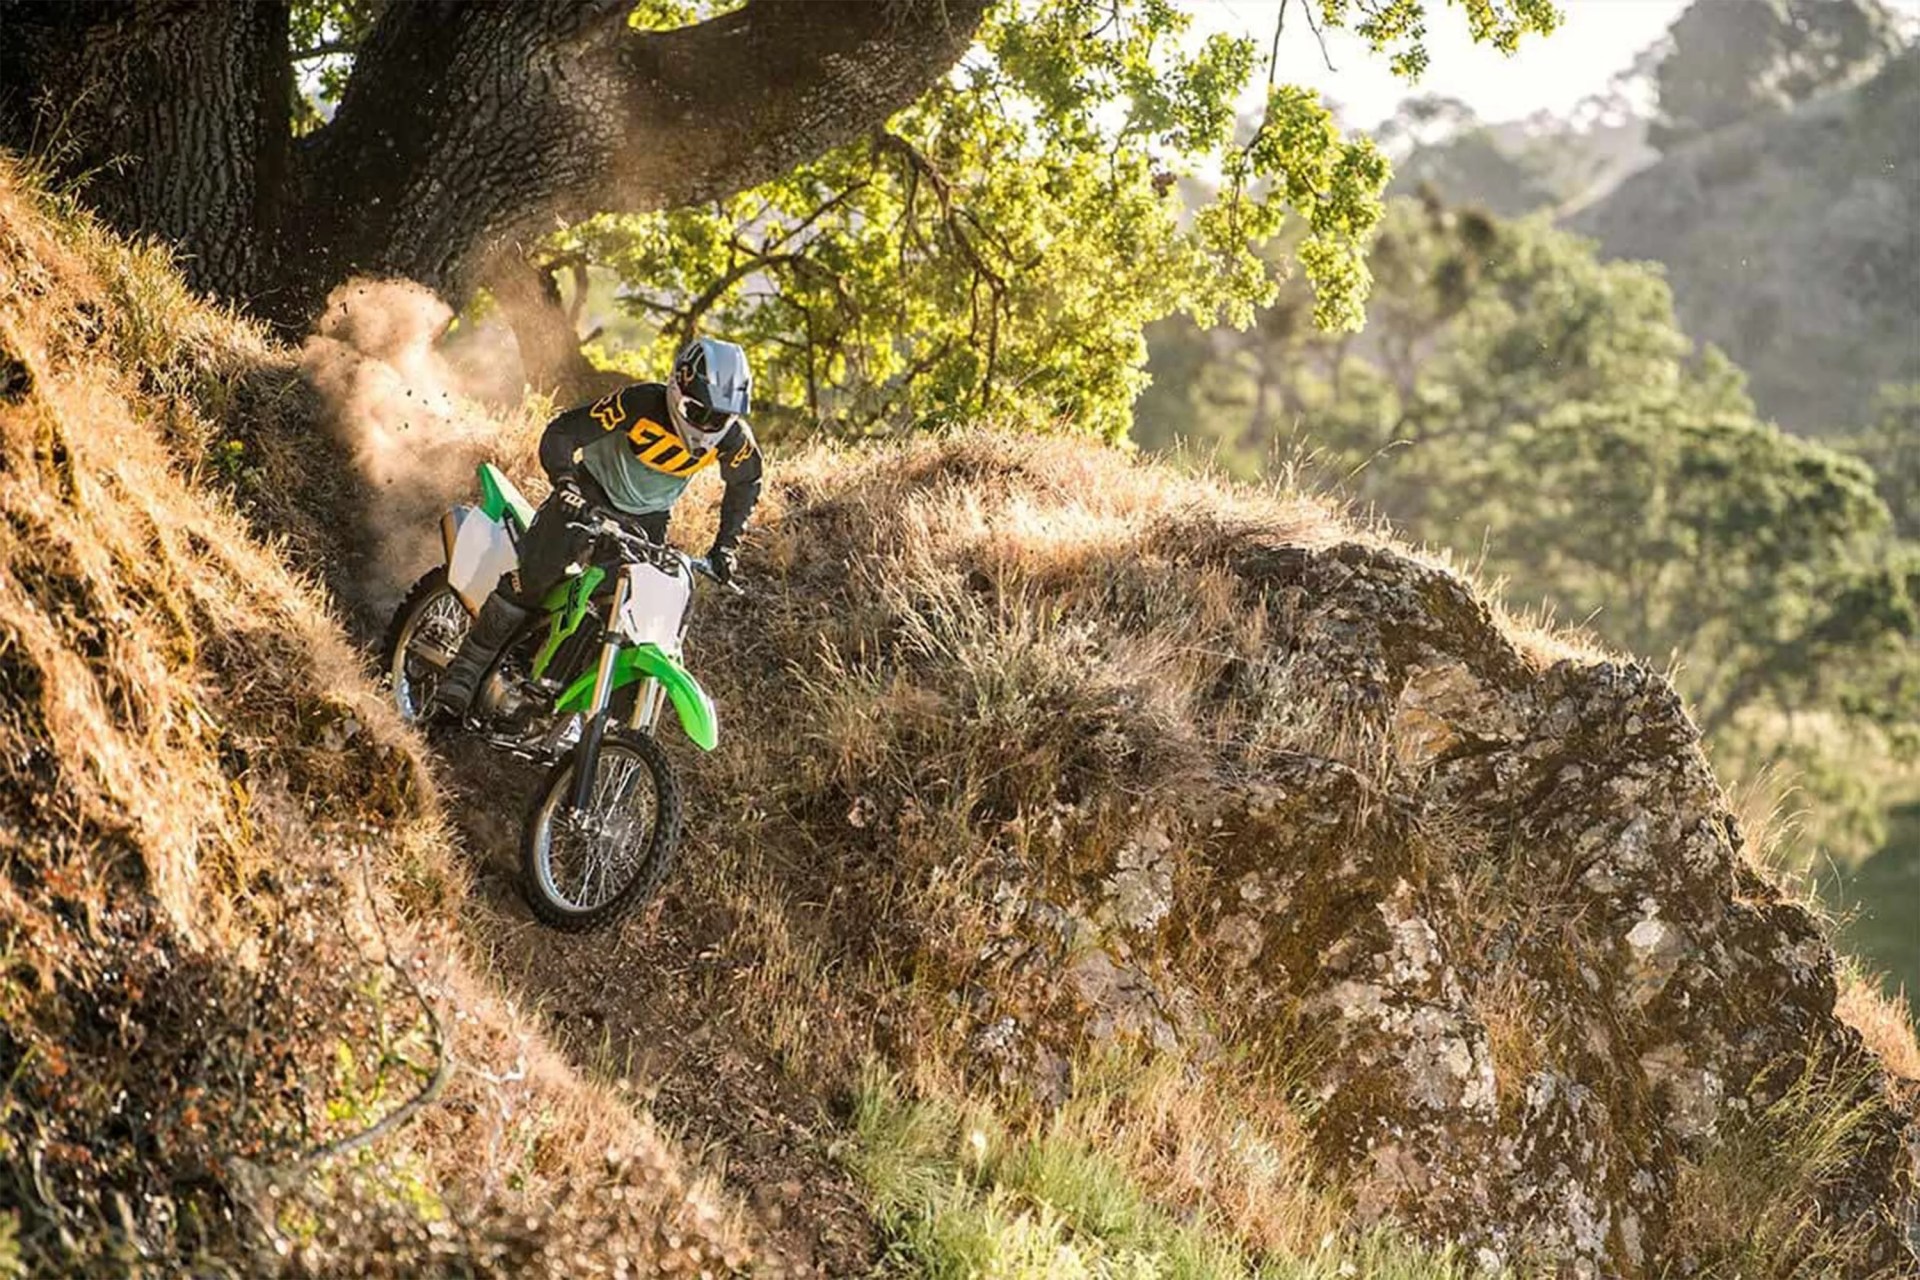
x=1273 y=56
x=1319 y=36
x=832 y=203
x=696 y=310
x=468 y=125
x=943 y=190
x=326 y=48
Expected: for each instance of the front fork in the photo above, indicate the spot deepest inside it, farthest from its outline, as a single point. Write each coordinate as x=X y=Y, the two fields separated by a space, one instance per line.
x=586 y=752
x=646 y=708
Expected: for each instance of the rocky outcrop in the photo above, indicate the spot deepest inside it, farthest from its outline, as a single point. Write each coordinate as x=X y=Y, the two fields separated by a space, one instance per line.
x=1494 y=907
x=1534 y=963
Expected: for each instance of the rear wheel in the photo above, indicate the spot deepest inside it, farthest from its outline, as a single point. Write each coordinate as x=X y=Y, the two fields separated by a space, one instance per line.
x=583 y=869
x=421 y=641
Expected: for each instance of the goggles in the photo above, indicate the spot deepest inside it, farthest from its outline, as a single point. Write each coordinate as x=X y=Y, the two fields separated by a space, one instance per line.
x=705 y=416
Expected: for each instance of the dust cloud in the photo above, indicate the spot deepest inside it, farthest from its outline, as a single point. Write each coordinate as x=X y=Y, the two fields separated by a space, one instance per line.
x=408 y=420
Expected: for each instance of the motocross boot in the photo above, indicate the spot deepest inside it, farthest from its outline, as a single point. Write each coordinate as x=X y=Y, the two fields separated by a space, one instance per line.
x=499 y=619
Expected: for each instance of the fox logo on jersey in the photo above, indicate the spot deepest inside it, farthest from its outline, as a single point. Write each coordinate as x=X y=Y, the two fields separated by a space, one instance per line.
x=608 y=411
x=659 y=449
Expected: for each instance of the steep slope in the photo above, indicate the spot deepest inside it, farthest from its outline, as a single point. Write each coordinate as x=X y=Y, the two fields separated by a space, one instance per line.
x=1791 y=243
x=1035 y=756
x=1171 y=853
x=238 y=1028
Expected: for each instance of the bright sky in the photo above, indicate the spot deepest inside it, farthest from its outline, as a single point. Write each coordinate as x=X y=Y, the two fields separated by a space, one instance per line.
x=1598 y=40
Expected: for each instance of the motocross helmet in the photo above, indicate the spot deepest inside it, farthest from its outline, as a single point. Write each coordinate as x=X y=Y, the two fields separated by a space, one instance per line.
x=709 y=388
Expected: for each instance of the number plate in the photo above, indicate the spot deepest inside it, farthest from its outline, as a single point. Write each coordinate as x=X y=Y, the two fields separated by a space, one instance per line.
x=656 y=602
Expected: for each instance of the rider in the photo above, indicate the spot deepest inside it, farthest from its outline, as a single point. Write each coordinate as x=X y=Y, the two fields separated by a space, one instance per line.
x=629 y=454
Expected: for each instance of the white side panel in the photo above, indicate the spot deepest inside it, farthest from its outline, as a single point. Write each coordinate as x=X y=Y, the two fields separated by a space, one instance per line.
x=482 y=551
x=656 y=602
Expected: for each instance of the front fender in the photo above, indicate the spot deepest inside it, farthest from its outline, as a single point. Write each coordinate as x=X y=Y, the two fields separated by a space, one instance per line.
x=690 y=701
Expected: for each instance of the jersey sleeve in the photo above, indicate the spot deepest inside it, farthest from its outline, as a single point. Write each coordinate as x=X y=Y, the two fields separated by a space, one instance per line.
x=579 y=427
x=741 y=468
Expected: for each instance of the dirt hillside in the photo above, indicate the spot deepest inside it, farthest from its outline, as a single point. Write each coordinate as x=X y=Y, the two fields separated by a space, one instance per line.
x=240 y=1028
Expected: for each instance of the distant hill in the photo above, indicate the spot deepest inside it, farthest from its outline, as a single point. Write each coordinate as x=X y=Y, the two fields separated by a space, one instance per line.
x=1517 y=167
x=1790 y=240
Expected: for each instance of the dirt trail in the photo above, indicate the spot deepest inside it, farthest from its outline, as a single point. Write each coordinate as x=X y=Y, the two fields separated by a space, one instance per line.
x=629 y=1004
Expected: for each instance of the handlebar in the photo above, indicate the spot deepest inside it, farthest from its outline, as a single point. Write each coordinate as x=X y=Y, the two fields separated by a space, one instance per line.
x=639 y=547
x=604 y=529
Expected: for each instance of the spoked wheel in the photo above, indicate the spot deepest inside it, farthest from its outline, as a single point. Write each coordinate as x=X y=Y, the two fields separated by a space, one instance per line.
x=582 y=869
x=422 y=639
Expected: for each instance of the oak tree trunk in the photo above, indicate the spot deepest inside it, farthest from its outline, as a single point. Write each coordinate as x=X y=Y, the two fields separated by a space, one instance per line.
x=172 y=114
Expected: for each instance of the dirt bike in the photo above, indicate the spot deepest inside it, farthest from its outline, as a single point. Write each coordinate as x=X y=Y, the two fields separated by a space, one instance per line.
x=580 y=688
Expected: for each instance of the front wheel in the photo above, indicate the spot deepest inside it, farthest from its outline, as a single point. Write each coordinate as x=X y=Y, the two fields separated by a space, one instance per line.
x=421 y=642
x=585 y=868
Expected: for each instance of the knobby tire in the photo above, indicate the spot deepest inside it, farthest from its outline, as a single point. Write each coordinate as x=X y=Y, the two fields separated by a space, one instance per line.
x=662 y=847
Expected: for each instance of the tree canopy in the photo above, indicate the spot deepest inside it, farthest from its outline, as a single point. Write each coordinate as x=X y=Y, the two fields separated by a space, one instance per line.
x=1890 y=444
x=1000 y=246
x=895 y=236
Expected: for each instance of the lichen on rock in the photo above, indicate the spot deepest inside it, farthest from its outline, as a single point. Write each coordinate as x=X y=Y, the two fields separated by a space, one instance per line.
x=1479 y=825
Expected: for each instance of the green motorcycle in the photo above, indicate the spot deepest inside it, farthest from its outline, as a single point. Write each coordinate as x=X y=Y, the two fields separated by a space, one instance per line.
x=582 y=688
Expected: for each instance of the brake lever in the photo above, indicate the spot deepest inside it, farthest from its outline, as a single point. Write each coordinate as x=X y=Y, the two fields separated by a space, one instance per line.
x=703 y=566
x=595 y=529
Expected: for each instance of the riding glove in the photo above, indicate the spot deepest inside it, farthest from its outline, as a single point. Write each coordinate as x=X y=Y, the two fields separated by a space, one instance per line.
x=566 y=488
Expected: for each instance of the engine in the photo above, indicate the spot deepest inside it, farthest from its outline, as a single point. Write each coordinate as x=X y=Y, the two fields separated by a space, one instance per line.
x=506 y=701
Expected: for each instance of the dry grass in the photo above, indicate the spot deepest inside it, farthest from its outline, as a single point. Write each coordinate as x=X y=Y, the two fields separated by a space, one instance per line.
x=1746 y=1208
x=1884 y=1022
x=986 y=660
x=978 y=665
x=1063 y=610
x=957 y=701
x=228 y=914
x=1509 y=1006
